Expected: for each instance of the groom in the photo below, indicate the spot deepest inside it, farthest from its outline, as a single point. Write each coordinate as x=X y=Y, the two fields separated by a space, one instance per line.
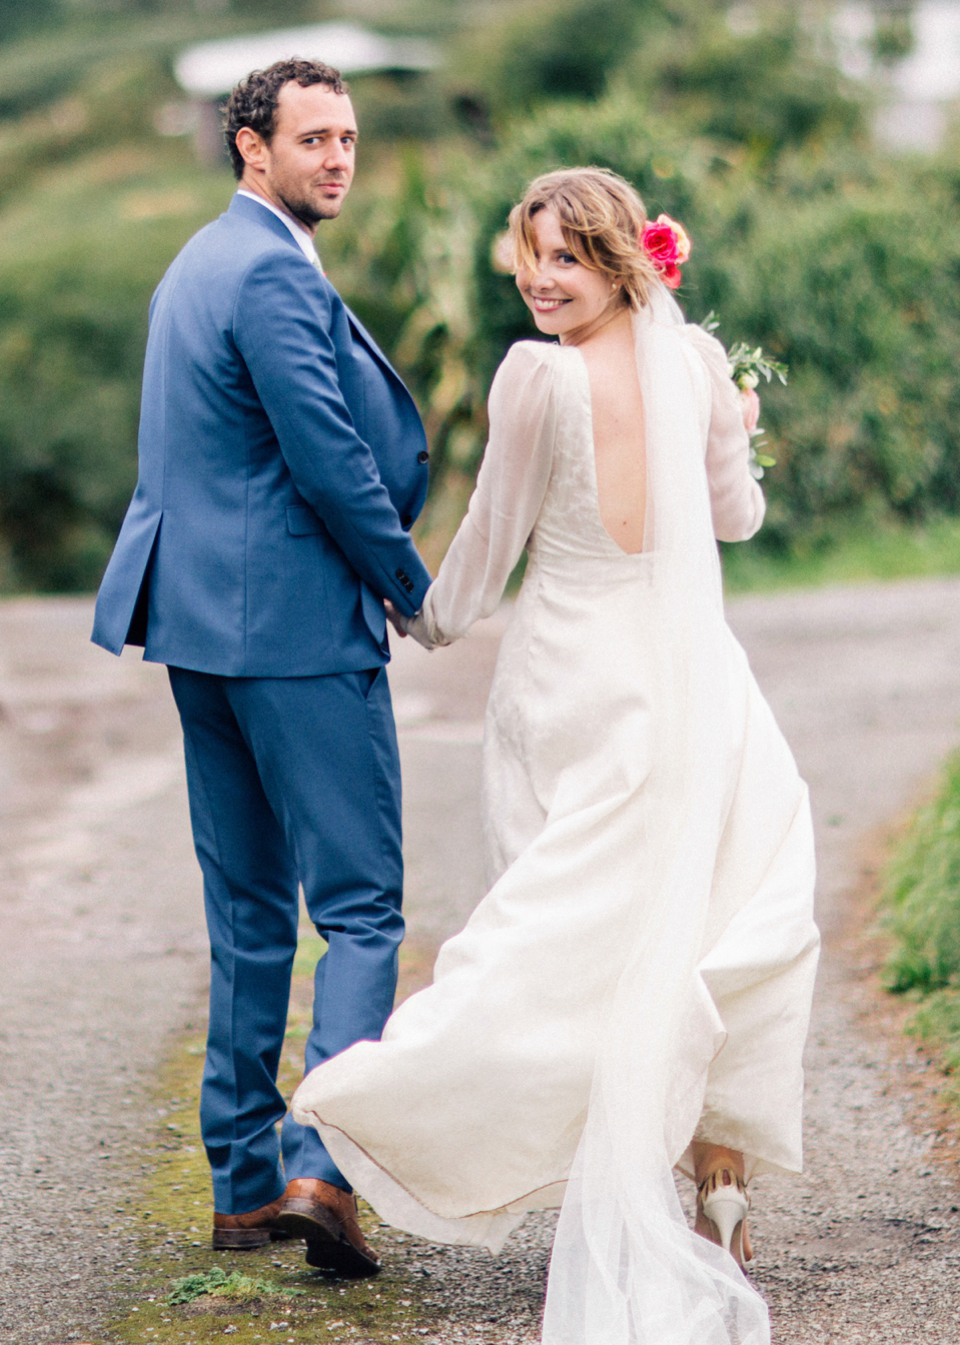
x=282 y=463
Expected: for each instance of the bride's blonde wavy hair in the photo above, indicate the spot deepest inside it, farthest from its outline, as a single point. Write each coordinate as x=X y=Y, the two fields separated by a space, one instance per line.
x=602 y=219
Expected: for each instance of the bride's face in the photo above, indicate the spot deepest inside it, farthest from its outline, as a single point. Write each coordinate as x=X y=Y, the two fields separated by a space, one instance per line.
x=565 y=297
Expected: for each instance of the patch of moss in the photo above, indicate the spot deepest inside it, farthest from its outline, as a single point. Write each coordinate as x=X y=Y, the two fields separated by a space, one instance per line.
x=218 y=1284
x=268 y=1294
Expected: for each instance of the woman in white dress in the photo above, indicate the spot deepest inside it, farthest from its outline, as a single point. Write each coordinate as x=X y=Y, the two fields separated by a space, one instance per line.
x=632 y=994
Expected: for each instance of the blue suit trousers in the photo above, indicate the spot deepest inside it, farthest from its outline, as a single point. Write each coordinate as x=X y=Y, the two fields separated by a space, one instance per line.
x=293 y=781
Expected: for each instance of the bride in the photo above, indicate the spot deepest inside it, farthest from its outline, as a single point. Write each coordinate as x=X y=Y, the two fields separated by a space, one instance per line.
x=632 y=994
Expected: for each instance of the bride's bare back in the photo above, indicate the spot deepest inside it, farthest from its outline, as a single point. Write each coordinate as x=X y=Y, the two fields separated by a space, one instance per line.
x=618 y=431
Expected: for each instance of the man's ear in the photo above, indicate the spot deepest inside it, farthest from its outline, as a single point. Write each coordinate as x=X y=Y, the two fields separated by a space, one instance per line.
x=252 y=148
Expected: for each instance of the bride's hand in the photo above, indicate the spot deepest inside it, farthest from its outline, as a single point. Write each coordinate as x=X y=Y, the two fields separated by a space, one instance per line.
x=412 y=625
x=750 y=406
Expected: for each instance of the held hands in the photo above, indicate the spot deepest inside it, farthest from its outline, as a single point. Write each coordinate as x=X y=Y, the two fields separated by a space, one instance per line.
x=412 y=625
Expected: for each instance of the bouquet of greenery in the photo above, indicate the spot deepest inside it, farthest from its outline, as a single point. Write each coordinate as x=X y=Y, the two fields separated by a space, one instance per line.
x=668 y=246
x=747 y=366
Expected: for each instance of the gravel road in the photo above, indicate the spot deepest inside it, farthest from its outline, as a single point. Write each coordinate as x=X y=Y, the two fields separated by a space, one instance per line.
x=102 y=956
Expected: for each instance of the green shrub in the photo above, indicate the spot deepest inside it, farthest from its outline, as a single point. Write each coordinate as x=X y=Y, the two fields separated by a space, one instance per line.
x=75 y=284
x=767 y=90
x=845 y=268
x=842 y=264
x=17 y=15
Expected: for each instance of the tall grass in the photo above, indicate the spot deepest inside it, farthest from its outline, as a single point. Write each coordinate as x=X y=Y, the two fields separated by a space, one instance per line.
x=922 y=893
x=922 y=914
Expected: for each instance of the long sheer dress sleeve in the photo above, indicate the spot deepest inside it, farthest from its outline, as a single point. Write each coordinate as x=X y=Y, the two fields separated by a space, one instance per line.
x=736 y=500
x=504 y=506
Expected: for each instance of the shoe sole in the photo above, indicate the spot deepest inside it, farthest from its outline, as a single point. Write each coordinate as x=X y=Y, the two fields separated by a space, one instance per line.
x=327 y=1248
x=341 y=1258
x=311 y=1222
x=245 y=1239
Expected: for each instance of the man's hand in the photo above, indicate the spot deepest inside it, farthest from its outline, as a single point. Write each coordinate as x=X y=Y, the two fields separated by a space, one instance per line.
x=395 y=618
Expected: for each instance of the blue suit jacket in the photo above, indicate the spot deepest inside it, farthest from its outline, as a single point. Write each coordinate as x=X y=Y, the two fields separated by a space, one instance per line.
x=282 y=462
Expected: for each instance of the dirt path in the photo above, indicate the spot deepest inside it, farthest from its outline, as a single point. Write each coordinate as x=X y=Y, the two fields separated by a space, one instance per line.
x=102 y=956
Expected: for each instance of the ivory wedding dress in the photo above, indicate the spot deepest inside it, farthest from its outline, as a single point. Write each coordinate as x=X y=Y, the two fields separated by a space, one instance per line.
x=640 y=972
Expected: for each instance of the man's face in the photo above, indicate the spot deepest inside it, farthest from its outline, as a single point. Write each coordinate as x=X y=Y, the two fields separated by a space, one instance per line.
x=308 y=165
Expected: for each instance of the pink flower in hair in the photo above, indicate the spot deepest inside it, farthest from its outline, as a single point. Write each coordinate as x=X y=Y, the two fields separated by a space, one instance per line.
x=668 y=245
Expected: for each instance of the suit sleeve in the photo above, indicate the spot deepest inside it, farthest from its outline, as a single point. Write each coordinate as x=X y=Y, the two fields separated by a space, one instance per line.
x=736 y=500
x=282 y=328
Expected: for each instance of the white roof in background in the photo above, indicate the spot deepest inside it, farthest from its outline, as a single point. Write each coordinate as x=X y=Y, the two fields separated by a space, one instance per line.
x=930 y=72
x=918 y=89
x=214 y=68
x=932 y=69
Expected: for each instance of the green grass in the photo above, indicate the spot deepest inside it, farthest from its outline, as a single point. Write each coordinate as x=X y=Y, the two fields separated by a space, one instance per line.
x=921 y=913
x=922 y=894
x=859 y=556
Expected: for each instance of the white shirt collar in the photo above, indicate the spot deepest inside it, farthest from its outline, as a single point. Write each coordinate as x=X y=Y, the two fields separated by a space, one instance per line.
x=303 y=240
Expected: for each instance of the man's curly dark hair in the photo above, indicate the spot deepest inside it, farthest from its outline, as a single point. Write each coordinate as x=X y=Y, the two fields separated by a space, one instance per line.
x=253 y=102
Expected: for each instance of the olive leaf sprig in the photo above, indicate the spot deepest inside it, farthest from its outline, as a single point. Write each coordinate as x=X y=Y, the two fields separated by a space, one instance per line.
x=746 y=366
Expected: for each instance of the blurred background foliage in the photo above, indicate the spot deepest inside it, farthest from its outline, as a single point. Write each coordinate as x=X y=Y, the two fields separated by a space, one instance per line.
x=844 y=262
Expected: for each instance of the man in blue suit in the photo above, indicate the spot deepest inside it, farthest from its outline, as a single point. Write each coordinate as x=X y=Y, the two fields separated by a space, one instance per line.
x=282 y=463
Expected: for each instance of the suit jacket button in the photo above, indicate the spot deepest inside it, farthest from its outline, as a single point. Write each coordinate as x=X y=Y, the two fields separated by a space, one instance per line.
x=423 y=456
x=401 y=576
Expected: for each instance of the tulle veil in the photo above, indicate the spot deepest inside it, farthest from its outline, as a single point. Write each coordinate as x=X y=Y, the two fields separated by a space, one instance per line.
x=626 y=1269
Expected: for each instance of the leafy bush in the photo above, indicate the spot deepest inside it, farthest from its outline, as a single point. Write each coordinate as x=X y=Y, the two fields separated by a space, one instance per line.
x=841 y=264
x=17 y=15
x=767 y=90
x=850 y=277
x=74 y=289
x=846 y=268
x=560 y=49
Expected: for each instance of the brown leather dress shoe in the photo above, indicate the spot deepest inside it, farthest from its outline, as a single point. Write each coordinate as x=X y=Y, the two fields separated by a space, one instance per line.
x=254 y=1229
x=326 y=1217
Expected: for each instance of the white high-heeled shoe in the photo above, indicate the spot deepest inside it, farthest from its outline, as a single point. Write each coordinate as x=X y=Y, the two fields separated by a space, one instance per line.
x=723 y=1199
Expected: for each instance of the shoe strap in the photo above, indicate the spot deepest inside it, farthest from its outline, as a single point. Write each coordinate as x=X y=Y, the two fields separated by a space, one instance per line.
x=712 y=1182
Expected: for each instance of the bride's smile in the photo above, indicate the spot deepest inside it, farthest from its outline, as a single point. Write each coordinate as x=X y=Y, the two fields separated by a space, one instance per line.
x=566 y=298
